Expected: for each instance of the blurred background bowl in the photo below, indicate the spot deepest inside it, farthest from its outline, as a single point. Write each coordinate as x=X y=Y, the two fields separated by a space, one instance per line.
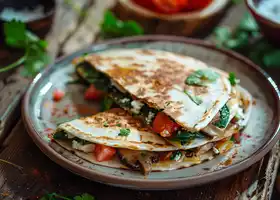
x=263 y=12
x=187 y=23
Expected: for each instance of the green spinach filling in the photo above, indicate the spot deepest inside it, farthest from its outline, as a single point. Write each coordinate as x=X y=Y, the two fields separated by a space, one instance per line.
x=62 y=135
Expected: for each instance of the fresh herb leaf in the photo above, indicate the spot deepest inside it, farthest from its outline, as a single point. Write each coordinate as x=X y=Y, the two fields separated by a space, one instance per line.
x=222 y=34
x=106 y=103
x=232 y=78
x=248 y=23
x=224 y=117
x=124 y=132
x=60 y=135
x=199 y=77
x=84 y=197
x=15 y=34
x=193 y=80
x=119 y=125
x=105 y=124
x=113 y=27
x=196 y=99
x=176 y=155
x=35 y=56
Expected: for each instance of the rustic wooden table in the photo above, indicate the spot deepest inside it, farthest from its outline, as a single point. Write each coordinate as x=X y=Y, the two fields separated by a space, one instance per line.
x=39 y=175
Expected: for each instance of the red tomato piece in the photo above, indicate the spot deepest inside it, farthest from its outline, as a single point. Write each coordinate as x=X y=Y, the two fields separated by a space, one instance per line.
x=236 y=137
x=104 y=153
x=58 y=95
x=170 y=6
x=163 y=125
x=198 y=4
x=93 y=94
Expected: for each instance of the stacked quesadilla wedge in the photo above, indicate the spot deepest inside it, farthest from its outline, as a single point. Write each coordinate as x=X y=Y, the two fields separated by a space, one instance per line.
x=116 y=139
x=188 y=109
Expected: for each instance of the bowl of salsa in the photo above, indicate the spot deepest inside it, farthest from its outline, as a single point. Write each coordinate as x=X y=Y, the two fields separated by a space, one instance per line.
x=172 y=17
x=267 y=15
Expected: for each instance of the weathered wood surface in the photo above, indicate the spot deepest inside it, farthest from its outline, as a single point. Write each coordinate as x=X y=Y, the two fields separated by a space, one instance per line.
x=72 y=30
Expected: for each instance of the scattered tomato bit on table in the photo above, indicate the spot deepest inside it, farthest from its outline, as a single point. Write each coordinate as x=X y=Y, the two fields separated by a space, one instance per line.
x=58 y=95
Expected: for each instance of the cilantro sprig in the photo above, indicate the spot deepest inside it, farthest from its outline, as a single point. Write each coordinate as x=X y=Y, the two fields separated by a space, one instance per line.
x=232 y=79
x=201 y=76
x=55 y=196
x=113 y=27
x=35 y=56
x=124 y=132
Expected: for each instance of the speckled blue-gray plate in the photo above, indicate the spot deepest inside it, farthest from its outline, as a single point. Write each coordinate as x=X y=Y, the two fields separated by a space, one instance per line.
x=41 y=115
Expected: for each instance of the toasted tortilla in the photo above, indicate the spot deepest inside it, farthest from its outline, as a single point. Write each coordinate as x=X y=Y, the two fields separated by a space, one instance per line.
x=161 y=166
x=104 y=128
x=157 y=78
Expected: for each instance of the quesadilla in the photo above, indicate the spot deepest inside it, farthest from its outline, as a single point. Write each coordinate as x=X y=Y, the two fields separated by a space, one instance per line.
x=116 y=139
x=178 y=96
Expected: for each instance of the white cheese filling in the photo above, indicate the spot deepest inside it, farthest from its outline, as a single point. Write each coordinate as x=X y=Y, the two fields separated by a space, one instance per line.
x=87 y=148
x=136 y=106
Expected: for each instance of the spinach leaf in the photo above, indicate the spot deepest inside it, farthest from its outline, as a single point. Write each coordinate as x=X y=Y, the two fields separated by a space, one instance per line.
x=176 y=155
x=224 y=117
x=186 y=136
x=60 y=135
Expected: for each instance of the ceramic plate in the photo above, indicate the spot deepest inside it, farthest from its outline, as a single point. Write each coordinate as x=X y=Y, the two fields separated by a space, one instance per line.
x=41 y=115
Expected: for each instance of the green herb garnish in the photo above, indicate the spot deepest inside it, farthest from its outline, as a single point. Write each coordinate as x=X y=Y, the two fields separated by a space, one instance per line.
x=35 y=56
x=224 y=117
x=232 y=78
x=200 y=77
x=119 y=125
x=106 y=103
x=60 y=135
x=113 y=27
x=176 y=155
x=124 y=132
x=105 y=124
x=196 y=99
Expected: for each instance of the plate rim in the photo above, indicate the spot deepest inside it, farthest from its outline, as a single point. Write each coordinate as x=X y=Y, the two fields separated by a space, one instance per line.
x=148 y=184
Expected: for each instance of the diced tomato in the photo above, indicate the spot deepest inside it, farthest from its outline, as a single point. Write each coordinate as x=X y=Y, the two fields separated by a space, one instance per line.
x=163 y=125
x=165 y=155
x=93 y=94
x=58 y=95
x=197 y=4
x=236 y=137
x=170 y=6
x=104 y=153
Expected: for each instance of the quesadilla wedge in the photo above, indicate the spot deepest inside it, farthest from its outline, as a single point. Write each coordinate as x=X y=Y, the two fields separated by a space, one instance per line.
x=170 y=92
x=116 y=139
